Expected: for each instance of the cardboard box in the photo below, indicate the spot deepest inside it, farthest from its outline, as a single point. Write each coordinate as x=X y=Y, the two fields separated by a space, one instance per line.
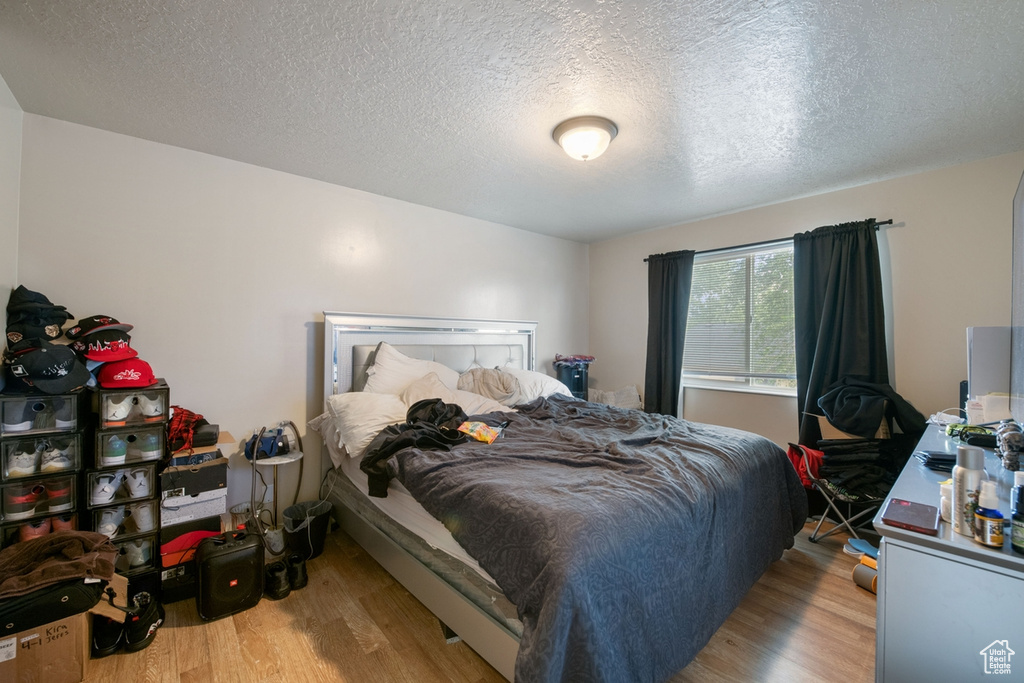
x=190 y=480
x=178 y=509
x=226 y=444
x=179 y=582
x=178 y=575
x=197 y=457
x=119 y=585
x=57 y=652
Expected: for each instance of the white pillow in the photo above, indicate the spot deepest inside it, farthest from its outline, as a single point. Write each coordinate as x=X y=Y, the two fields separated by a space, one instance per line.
x=327 y=426
x=432 y=387
x=359 y=416
x=533 y=385
x=392 y=371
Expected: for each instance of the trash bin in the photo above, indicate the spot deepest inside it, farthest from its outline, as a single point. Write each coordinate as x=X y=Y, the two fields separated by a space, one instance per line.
x=305 y=527
x=241 y=517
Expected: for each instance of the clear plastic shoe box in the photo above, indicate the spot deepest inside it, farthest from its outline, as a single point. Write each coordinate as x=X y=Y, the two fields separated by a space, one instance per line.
x=130 y=445
x=127 y=520
x=25 y=414
x=34 y=528
x=121 y=407
x=31 y=456
x=137 y=554
x=128 y=484
x=38 y=497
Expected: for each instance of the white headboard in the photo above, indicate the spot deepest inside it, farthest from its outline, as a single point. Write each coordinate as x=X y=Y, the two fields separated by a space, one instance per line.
x=455 y=342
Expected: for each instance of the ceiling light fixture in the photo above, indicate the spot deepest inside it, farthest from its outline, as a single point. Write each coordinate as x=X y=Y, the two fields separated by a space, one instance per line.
x=585 y=137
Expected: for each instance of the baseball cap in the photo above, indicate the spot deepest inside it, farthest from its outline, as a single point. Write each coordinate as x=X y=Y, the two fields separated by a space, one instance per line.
x=24 y=300
x=132 y=372
x=30 y=315
x=104 y=345
x=51 y=368
x=35 y=328
x=95 y=323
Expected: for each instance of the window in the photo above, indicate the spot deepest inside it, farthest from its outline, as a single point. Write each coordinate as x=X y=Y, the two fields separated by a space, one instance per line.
x=739 y=329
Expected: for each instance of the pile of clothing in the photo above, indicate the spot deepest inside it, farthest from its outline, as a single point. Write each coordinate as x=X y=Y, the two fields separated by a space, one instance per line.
x=857 y=470
x=864 y=469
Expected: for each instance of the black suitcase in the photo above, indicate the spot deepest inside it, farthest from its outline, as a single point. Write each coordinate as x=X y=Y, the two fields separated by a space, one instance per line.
x=51 y=603
x=230 y=574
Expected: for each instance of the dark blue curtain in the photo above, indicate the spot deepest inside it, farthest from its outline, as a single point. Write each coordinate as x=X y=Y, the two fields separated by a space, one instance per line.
x=839 y=314
x=668 y=300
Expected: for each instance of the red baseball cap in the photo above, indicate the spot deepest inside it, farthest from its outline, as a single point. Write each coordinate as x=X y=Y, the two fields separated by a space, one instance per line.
x=132 y=372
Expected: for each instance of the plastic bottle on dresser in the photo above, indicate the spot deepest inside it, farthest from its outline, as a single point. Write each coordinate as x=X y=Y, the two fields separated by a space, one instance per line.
x=946 y=503
x=988 y=520
x=968 y=474
x=1017 y=508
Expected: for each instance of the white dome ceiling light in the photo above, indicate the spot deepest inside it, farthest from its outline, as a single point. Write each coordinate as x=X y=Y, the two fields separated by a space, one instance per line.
x=585 y=137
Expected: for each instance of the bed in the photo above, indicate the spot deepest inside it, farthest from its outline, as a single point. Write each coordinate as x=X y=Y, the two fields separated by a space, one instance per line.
x=589 y=543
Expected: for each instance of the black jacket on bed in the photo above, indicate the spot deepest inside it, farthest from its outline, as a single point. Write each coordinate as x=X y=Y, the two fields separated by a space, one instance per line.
x=430 y=423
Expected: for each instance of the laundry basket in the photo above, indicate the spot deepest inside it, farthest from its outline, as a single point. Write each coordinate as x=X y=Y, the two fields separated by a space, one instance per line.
x=305 y=527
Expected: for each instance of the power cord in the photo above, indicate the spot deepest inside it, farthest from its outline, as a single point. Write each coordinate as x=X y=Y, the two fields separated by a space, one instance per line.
x=256 y=512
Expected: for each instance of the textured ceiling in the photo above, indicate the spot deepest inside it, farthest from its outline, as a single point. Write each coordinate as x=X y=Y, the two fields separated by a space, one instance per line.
x=721 y=104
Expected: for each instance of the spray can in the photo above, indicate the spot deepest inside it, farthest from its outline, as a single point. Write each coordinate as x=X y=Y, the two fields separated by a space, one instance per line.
x=968 y=474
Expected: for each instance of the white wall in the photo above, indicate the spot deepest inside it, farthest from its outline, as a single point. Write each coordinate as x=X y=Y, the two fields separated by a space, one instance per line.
x=948 y=267
x=11 y=118
x=224 y=269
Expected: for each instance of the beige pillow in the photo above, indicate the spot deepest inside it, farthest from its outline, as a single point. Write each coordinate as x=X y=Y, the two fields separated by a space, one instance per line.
x=432 y=387
x=533 y=385
x=492 y=383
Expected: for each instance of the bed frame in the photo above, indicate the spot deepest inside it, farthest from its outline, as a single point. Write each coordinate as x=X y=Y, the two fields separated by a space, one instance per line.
x=459 y=344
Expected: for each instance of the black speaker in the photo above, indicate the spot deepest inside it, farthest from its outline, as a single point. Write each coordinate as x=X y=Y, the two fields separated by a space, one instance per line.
x=230 y=574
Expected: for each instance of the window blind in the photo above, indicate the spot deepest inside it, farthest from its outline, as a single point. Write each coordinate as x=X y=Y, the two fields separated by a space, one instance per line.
x=739 y=327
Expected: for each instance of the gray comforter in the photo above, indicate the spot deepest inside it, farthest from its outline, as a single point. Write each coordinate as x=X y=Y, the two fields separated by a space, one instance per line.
x=624 y=539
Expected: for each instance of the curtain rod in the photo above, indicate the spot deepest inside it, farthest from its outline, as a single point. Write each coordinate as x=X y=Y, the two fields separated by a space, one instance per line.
x=765 y=243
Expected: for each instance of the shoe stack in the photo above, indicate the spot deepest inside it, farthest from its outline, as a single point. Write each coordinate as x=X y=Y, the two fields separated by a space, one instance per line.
x=41 y=442
x=131 y=407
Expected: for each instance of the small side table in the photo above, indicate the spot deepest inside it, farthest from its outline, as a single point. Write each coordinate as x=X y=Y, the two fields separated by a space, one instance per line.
x=275 y=462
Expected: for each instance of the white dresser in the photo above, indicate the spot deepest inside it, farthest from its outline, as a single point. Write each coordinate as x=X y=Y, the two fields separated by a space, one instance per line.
x=949 y=609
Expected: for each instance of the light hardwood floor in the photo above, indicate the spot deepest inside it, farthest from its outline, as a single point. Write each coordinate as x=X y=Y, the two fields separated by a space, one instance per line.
x=804 y=620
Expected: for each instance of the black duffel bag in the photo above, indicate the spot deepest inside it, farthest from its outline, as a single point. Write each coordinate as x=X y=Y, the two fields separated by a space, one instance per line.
x=51 y=603
x=44 y=579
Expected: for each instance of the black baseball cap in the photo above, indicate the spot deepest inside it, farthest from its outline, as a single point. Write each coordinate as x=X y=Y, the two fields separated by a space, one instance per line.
x=24 y=300
x=31 y=315
x=96 y=323
x=32 y=329
x=51 y=368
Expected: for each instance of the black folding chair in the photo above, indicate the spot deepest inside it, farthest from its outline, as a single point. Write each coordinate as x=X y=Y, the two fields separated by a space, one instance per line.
x=835 y=496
